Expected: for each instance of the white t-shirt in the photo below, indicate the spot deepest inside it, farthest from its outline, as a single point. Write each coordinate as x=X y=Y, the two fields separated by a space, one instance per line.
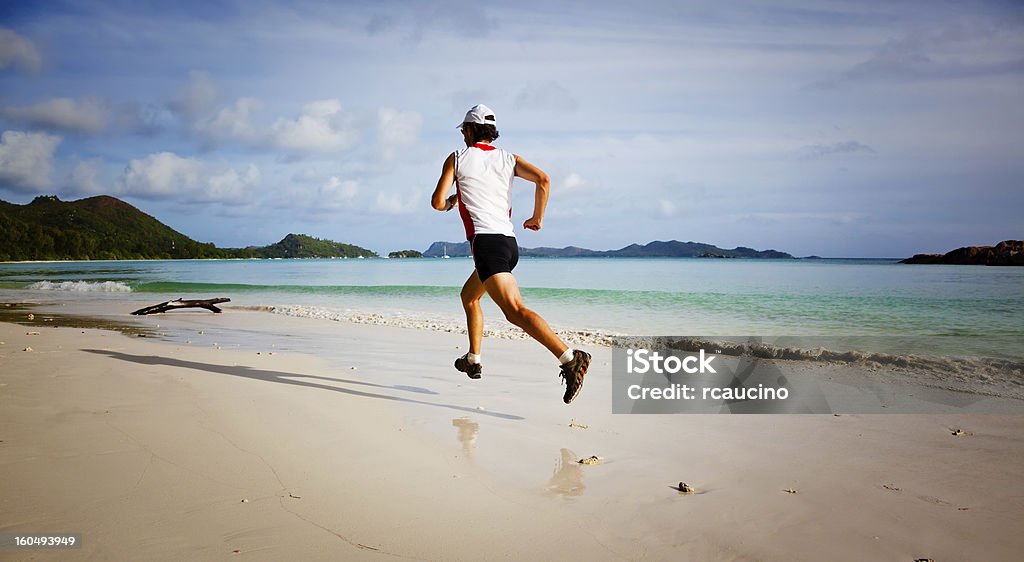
x=483 y=183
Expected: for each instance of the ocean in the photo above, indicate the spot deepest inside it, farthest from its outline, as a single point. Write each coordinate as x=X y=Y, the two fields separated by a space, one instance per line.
x=944 y=310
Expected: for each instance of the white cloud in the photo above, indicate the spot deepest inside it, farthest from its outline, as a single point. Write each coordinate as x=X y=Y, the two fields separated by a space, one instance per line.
x=232 y=123
x=166 y=175
x=160 y=175
x=666 y=209
x=315 y=199
x=396 y=204
x=18 y=50
x=64 y=114
x=572 y=182
x=85 y=177
x=305 y=175
x=195 y=97
x=322 y=127
x=337 y=193
x=396 y=130
x=229 y=185
x=145 y=119
x=26 y=160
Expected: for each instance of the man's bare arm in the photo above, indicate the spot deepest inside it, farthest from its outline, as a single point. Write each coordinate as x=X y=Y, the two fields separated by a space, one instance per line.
x=533 y=174
x=440 y=199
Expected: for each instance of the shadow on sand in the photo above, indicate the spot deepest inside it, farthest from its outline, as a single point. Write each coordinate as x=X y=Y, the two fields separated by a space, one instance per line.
x=290 y=378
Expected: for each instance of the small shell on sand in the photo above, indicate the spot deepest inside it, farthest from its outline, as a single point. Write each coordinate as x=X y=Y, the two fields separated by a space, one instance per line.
x=574 y=424
x=31 y=316
x=789 y=491
x=27 y=349
x=959 y=432
x=685 y=488
x=593 y=459
x=31 y=333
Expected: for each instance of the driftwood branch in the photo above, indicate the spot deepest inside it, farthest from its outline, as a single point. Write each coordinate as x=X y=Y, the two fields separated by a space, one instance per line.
x=208 y=304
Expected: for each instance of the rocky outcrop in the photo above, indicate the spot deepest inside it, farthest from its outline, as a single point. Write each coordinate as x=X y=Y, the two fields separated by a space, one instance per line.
x=1008 y=252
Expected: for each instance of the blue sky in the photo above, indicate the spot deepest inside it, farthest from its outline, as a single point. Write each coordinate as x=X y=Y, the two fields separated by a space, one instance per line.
x=832 y=128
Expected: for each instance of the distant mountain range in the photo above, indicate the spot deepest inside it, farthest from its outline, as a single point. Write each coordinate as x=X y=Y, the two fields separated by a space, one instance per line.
x=106 y=228
x=657 y=249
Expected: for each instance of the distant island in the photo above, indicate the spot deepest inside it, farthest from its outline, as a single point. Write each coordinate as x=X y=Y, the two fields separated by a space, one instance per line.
x=657 y=249
x=1007 y=252
x=302 y=246
x=106 y=228
x=406 y=254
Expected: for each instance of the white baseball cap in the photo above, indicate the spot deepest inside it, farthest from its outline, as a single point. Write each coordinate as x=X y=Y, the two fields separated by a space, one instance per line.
x=479 y=113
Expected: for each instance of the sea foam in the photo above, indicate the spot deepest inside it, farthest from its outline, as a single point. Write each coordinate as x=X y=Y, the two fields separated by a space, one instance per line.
x=82 y=286
x=503 y=329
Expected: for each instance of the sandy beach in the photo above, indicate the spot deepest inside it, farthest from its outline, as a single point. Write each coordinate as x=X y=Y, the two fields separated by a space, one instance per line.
x=229 y=443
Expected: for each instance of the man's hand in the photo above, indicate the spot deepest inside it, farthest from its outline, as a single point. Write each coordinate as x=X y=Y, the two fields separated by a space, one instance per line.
x=532 y=223
x=451 y=202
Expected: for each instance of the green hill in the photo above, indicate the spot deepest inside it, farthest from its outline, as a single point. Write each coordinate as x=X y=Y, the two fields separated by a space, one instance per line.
x=302 y=246
x=99 y=227
x=106 y=228
x=406 y=254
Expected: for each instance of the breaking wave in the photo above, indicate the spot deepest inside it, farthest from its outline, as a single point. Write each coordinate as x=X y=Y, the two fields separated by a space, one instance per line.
x=82 y=286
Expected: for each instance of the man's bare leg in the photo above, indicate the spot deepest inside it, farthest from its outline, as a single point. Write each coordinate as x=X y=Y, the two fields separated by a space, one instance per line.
x=504 y=291
x=472 y=291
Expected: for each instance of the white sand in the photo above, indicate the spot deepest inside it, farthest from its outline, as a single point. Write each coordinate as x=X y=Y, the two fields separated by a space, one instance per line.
x=148 y=449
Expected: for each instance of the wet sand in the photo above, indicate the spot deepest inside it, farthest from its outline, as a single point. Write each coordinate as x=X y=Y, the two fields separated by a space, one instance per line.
x=231 y=443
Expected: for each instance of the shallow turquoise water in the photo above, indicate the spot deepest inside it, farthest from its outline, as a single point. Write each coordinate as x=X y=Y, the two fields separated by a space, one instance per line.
x=609 y=295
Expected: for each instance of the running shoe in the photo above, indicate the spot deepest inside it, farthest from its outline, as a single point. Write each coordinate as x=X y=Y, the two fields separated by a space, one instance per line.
x=473 y=370
x=572 y=374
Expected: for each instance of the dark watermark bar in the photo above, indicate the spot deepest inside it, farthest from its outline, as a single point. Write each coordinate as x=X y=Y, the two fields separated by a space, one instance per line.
x=811 y=375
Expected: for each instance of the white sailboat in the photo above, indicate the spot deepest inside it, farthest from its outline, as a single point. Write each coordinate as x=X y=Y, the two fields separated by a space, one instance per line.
x=445 y=252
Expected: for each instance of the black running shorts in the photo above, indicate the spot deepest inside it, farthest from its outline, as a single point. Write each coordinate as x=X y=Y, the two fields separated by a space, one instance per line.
x=494 y=253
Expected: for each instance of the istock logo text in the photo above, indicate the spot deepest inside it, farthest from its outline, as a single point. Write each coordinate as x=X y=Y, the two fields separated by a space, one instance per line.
x=642 y=361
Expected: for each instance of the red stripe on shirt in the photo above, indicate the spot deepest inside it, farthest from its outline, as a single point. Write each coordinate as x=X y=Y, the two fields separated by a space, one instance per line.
x=467 y=221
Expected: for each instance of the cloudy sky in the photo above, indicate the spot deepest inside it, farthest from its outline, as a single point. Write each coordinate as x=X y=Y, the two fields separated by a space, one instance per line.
x=833 y=128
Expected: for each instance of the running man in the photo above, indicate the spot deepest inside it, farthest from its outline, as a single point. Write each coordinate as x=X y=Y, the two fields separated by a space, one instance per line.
x=483 y=174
